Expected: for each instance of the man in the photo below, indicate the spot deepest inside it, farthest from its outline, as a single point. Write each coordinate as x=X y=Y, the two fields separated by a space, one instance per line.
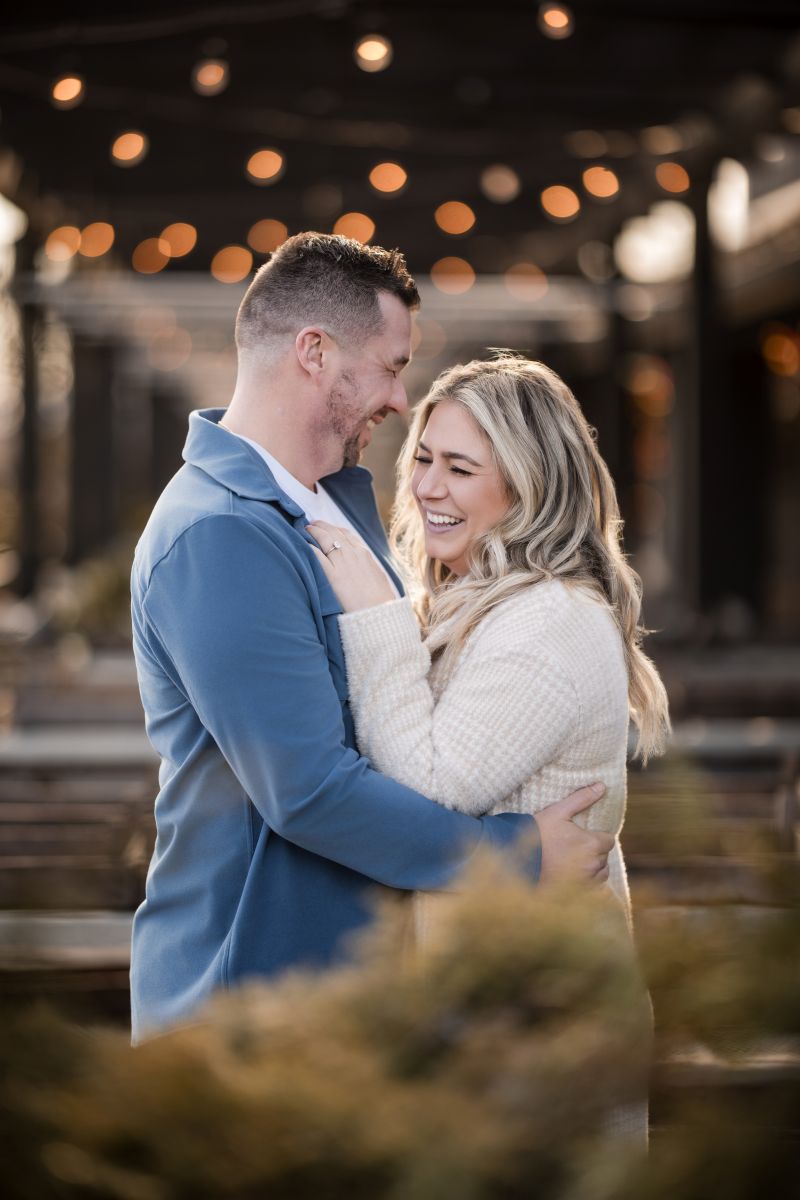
x=272 y=831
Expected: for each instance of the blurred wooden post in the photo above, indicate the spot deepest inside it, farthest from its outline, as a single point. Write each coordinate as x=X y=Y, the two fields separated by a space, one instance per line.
x=169 y=428
x=92 y=515
x=29 y=541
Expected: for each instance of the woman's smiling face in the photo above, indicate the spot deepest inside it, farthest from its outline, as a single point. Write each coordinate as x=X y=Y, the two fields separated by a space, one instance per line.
x=457 y=487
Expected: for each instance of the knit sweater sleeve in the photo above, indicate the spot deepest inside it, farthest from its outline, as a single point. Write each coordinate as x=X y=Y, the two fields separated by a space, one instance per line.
x=505 y=712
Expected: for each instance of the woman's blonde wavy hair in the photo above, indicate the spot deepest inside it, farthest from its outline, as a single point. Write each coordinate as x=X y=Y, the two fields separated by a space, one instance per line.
x=562 y=522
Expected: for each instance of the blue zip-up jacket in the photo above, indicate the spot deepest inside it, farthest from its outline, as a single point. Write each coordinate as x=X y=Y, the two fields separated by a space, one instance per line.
x=271 y=828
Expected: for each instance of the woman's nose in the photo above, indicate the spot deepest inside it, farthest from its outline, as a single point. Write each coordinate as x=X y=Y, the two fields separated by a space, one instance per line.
x=432 y=484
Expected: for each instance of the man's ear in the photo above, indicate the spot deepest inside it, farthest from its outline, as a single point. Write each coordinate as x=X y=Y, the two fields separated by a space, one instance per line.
x=313 y=347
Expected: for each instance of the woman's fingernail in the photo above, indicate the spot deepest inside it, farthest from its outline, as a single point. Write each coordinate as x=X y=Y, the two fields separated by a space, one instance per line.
x=598 y=788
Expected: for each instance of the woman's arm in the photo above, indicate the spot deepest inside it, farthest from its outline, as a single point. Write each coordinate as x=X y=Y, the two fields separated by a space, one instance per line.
x=505 y=712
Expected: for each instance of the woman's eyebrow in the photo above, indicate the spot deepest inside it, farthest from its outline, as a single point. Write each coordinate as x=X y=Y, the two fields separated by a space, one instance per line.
x=451 y=454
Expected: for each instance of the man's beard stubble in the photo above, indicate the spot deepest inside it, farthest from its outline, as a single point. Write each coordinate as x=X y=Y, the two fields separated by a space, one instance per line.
x=346 y=417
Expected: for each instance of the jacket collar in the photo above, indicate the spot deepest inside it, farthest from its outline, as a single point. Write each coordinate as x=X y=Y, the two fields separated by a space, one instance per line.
x=244 y=472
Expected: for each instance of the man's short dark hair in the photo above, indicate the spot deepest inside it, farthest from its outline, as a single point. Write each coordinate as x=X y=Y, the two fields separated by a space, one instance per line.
x=324 y=279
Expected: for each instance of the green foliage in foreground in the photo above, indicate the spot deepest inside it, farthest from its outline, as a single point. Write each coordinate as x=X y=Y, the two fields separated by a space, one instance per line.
x=485 y=1069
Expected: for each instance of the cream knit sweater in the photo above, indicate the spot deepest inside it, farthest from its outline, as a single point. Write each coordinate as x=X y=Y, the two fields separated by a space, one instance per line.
x=535 y=706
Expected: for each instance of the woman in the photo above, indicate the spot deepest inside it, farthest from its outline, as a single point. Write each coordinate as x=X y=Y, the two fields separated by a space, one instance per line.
x=518 y=683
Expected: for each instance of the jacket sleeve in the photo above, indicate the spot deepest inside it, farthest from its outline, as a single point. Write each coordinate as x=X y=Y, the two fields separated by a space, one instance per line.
x=505 y=712
x=231 y=615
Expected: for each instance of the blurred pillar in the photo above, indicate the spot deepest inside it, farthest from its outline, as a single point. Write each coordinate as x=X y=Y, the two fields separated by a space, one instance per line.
x=29 y=539
x=704 y=499
x=92 y=513
x=730 y=429
x=169 y=427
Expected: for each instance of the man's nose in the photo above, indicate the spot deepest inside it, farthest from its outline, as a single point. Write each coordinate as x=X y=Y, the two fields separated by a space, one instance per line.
x=399 y=399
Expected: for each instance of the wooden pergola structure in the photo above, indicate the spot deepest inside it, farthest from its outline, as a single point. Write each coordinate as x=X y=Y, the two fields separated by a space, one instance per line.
x=633 y=89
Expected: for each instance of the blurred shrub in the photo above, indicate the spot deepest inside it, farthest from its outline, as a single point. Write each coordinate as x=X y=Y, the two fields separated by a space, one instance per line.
x=93 y=598
x=484 y=1069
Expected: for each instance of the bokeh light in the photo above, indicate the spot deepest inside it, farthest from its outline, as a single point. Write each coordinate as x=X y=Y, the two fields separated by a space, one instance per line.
x=525 y=281
x=68 y=91
x=356 y=225
x=210 y=76
x=181 y=238
x=586 y=143
x=265 y=166
x=129 y=148
x=556 y=21
x=454 y=217
x=231 y=264
x=661 y=139
x=428 y=339
x=96 y=239
x=600 y=182
x=453 y=276
x=780 y=347
x=373 y=52
x=650 y=384
x=500 y=183
x=170 y=349
x=560 y=203
x=265 y=236
x=388 y=177
x=63 y=243
x=150 y=256
x=672 y=177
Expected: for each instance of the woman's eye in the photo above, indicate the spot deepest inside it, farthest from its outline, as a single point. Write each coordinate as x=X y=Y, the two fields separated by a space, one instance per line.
x=460 y=471
x=418 y=459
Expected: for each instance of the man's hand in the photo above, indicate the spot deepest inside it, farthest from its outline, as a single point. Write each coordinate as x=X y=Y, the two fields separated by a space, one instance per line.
x=569 y=852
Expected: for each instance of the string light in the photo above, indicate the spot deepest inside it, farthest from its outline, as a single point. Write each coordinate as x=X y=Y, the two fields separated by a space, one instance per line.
x=97 y=239
x=500 y=183
x=265 y=236
x=63 y=243
x=525 y=281
x=600 y=182
x=586 y=143
x=210 y=76
x=355 y=225
x=661 y=139
x=68 y=91
x=560 y=203
x=231 y=264
x=180 y=237
x=781 y=349
x=454 y=276
x=672 y=177
x=129 y=148
x=265 y=166
x=454 y=217
x=428 y=339
x=388 y=177
x=373 y=52
x=556 y=21
x=150 y=256
x=170 y=349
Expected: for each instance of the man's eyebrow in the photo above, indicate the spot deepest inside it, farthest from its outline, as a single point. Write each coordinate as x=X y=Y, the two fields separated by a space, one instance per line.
x=452 y=454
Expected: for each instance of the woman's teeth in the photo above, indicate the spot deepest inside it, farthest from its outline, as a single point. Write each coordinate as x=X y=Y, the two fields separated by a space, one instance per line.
x=440 y=522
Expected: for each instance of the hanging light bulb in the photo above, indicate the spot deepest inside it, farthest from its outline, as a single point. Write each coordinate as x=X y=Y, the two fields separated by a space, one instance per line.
x=373 y=52
x=68 y=91
x=556 y=21
x=210 y=76
x=129 y=148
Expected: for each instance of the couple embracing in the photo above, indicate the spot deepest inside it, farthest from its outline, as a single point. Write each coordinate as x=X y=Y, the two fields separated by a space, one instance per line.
x=332 y=713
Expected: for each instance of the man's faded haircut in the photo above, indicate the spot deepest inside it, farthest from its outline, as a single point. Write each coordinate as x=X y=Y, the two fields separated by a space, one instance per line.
x=326 y=280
